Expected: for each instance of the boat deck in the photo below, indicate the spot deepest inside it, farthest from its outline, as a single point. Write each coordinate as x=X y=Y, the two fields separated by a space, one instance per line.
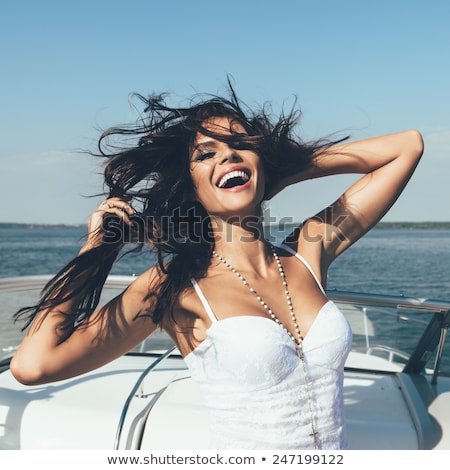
x=395 y=397
x=166 y=411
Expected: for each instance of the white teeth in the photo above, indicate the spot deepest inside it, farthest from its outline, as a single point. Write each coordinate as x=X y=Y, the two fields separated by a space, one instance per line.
x=233 y=174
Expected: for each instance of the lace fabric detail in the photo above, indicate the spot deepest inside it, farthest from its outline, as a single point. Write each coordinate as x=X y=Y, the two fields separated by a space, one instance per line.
x=254 y=388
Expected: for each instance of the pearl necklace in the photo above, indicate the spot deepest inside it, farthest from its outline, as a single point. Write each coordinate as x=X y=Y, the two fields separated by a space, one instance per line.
x=298 y=340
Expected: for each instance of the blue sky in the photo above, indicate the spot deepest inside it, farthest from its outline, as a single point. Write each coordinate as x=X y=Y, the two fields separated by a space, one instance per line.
x=356 y=67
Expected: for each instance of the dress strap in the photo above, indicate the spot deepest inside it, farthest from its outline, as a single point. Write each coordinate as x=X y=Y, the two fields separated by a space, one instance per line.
x=307 y=265
x=203 y=300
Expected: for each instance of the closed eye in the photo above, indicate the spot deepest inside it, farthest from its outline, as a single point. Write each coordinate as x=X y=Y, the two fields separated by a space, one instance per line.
x=204 y=156
x=242 y=146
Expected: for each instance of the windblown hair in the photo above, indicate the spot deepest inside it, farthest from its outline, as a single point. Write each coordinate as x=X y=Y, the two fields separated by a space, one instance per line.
x=153 y=172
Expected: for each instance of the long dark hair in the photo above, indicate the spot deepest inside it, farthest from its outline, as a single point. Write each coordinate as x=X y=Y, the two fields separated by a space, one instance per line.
x=153 y=172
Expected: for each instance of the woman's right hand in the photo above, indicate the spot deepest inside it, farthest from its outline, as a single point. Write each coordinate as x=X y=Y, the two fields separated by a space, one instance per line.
x=113 y=206
x=54 y=349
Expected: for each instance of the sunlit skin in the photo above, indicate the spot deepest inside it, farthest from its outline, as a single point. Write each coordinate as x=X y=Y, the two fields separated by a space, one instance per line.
x=385 y=164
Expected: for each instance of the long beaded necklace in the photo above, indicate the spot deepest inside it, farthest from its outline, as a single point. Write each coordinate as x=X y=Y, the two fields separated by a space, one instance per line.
x=298 y=340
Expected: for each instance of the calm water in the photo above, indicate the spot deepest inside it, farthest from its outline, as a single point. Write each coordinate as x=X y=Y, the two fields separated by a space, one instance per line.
x=393 y=261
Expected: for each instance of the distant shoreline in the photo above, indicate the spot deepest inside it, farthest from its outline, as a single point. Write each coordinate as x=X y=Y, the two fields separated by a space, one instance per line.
x=380 y=225
x=414 y=225
x=398 y=225
x=37 y=226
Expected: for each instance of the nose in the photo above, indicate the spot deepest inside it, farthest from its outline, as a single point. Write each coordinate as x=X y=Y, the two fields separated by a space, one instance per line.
x=229 y=155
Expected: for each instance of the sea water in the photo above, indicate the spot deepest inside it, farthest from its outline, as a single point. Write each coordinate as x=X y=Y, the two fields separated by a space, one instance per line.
x=412 y=262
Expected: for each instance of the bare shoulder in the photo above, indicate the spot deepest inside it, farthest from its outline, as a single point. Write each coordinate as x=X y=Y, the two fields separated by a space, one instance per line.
x=308 y=240
x=147 y=281
x=308 y=236
x=324 y=234
x=141 y=294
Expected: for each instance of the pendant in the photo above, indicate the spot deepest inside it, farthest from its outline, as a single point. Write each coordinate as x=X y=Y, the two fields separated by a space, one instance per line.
x=314 y=435
x=300 y=352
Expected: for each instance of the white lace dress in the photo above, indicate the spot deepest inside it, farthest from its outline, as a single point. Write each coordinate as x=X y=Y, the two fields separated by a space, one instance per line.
x=254 y=385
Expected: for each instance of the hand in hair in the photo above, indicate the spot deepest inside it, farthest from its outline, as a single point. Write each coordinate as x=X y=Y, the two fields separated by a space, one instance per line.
x=119 y=208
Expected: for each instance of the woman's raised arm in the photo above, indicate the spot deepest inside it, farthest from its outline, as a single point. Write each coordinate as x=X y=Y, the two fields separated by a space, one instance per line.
x=387 y=163
x=54 y=349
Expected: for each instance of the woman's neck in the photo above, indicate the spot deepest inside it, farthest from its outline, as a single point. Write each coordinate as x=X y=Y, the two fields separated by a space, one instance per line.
x=242 y=243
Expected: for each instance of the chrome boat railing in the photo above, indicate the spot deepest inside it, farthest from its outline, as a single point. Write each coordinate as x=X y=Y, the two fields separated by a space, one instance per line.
x=433 y=338
x=134 y=393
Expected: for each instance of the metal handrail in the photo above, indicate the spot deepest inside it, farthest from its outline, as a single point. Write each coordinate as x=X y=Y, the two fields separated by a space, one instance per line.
x=434 y=336
x=133 y=393
x=11 y=284
x=21 y=283
x=440 y=351
x=382 y=300
x=399 y=302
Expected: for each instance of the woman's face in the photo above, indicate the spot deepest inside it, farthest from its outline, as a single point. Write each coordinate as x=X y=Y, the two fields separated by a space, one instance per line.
x=228 y=181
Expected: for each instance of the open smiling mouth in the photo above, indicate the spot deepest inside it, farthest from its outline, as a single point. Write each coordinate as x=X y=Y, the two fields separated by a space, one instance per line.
x=233 y=179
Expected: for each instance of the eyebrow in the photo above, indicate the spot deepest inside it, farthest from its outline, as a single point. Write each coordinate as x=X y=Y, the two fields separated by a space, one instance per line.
x=205 y=144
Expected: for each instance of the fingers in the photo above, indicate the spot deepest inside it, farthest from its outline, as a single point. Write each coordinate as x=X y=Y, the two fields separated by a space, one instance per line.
x=118 y=207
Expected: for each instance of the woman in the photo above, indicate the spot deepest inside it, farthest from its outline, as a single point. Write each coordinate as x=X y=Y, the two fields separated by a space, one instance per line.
x=252 y=320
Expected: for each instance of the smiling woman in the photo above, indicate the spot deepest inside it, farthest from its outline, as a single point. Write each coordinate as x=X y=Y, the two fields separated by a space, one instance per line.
x=234 y=172
x=233 y=179
x=252 y=321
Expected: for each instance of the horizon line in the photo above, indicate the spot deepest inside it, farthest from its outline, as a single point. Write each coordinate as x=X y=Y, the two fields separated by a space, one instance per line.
x=286 y=225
